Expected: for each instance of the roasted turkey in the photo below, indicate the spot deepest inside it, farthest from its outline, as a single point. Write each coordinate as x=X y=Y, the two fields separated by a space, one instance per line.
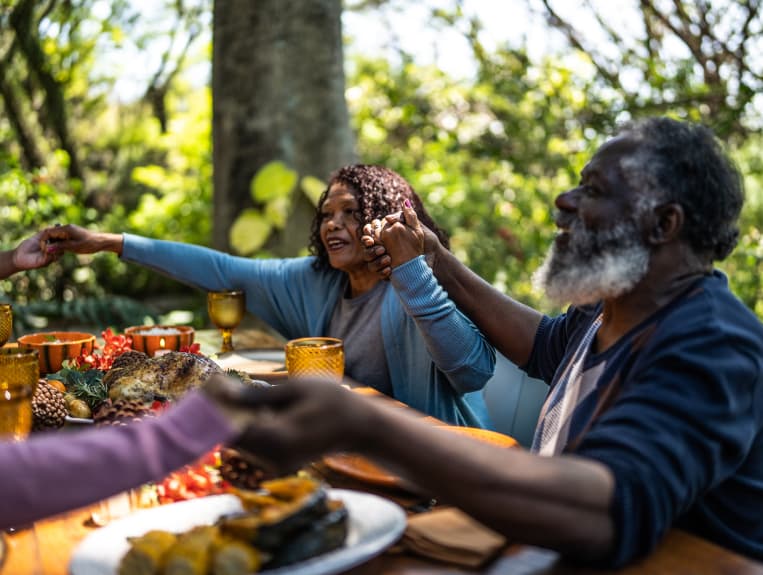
x=136 y=376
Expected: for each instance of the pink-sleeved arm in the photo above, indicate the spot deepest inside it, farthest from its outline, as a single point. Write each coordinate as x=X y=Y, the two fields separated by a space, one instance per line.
x=52 y=473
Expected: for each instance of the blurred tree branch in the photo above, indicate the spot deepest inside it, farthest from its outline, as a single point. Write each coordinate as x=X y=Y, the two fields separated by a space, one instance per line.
x=30 y=154
x=169 y=67
x=717 y=77
x=23 y=22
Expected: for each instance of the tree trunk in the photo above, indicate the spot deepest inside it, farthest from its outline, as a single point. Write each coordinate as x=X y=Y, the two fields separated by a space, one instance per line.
x=22 y=21
x=278 y=94
x=31 y=157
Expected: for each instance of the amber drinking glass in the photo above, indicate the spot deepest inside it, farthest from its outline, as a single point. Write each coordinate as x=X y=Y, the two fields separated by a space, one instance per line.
x=6 y=323
x=226 y=310
x=19 y=373
x=315 y=357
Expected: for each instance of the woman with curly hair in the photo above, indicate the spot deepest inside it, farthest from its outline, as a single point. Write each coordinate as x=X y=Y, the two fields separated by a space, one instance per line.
x=403 y=337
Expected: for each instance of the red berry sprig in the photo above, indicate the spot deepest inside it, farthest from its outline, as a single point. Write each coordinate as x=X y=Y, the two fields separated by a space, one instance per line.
x=114 y=345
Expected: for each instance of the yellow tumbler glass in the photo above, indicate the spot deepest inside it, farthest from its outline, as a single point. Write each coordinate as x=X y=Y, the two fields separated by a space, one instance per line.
x=321 y=357
x=6 y=323
x=19 y=374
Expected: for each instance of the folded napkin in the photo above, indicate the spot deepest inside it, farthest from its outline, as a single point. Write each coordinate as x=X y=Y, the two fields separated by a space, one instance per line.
x=451 y=536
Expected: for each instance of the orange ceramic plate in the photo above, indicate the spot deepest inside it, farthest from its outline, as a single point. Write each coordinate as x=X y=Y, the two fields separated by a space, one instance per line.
x=363 y=469
x=358 y=467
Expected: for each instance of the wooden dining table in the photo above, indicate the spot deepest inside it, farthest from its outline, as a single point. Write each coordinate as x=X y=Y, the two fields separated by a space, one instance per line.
x=45 y=547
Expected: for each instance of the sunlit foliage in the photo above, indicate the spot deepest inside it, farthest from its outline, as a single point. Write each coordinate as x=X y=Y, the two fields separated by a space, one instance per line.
x=488 y=155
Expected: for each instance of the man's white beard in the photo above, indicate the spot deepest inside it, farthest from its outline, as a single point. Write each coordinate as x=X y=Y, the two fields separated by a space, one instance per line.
x=593 y=265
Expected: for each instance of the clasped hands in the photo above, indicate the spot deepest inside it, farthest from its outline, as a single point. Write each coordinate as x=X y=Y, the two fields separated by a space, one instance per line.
x=393 y=240
x=71 y=238
x=284 y=426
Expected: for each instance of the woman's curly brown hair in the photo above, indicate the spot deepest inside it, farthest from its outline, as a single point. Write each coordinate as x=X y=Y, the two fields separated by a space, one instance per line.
x=379 y=191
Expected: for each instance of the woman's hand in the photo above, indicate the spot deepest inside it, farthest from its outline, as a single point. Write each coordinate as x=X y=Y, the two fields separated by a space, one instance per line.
x=375 y=254
x=402 y=235
x=396 y=239
x=32 y=253
x=71 y=238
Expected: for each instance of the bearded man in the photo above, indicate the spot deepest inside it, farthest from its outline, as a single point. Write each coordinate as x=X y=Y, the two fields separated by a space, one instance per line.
x=654 y=416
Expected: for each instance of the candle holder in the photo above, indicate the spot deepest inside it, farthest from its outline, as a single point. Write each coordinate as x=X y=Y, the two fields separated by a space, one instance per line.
x=159 y=339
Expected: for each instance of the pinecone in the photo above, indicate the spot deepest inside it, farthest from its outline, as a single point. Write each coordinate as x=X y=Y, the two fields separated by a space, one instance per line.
x=121 y=412
x=48 y=407
x=242 y=472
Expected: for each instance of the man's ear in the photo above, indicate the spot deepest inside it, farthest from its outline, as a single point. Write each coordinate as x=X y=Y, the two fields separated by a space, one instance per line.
x=667 y=223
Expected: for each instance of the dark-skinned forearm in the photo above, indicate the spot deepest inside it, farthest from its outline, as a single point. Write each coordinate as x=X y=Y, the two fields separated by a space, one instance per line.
x=557 y=502
x=109 y=242
x=507 y=324
x=78 y=240
x=7 y=267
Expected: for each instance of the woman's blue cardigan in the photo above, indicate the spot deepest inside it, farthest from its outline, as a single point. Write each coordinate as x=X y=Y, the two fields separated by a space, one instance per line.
x=438 y=360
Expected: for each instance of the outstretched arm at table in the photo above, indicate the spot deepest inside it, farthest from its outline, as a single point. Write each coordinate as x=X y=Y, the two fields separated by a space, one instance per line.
x=560 y=503
x=71 y=238
x=52 y=473
x=506 y=323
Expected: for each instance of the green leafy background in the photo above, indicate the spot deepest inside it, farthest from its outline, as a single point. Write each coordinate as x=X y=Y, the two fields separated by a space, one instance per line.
x=487 y=155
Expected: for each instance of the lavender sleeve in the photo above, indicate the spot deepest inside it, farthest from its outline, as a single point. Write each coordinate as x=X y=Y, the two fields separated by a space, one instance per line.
x=52 y=473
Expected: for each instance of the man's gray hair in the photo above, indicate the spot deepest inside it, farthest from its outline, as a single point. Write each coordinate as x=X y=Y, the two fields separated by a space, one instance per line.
x=684 y=163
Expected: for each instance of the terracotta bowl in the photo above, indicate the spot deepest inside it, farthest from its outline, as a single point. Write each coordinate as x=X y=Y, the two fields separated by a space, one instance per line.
x=151 y=339
x=54 y=347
